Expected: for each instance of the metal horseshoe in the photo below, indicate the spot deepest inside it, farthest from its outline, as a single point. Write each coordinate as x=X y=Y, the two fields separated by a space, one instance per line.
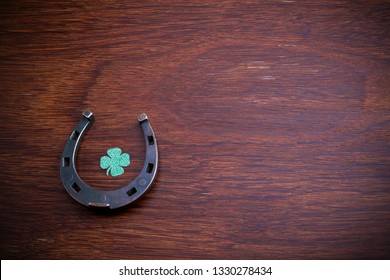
x=112 y=199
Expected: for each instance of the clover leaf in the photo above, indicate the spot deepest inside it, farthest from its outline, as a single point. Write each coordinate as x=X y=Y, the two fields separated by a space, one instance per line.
x=115 y=162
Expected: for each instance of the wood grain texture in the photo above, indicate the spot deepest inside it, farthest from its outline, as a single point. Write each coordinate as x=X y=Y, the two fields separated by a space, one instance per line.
x=272 y=119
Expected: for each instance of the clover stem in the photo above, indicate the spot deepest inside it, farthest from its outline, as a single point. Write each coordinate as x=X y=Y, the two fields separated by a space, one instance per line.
x=108 y=170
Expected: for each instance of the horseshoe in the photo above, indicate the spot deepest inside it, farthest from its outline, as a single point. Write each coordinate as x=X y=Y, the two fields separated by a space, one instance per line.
x=113 y=199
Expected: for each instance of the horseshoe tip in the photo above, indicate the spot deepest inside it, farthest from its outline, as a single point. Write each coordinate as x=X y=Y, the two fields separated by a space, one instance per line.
x=142 y=117
x=88 y=115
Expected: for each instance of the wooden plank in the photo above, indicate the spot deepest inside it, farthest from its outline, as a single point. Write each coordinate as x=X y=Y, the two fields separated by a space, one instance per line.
x=272 y=119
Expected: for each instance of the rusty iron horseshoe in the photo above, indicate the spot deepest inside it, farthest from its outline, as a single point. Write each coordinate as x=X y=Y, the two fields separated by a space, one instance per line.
x=113 y=199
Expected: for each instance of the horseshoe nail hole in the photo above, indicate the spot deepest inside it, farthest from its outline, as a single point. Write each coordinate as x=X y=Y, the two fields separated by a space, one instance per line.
x=75 y=135
x=149 y=168
x=65 y=162
x=76 y=187
x=151 y=140
x=131 y=191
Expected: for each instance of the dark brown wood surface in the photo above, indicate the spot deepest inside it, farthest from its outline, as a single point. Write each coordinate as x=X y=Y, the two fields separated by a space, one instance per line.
x=272 y=119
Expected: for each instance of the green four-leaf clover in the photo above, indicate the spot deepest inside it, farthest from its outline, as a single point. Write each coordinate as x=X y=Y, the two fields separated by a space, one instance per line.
x=115 y=162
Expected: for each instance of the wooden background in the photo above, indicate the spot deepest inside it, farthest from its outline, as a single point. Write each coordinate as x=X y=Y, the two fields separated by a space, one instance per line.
x=272 y=119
